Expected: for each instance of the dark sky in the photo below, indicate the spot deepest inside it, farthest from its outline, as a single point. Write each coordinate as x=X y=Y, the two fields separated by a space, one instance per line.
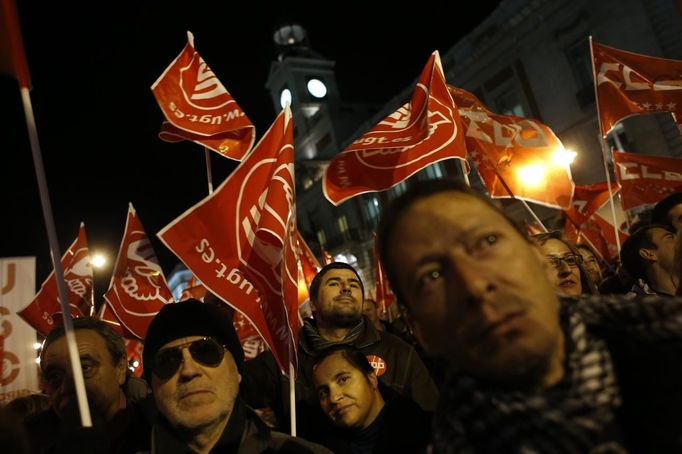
x=92 y=66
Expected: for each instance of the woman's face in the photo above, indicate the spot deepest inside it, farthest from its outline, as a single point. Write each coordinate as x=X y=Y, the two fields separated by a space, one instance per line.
x=563 y=270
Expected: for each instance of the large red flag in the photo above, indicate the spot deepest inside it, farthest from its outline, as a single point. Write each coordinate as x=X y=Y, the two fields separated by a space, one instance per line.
x=12 y=56
x=599 y=233
x=309 y=263
x=138 y=289
x=629 y=84
x=423 y=131
x=520 y=153
x=240 y=241
x=646 y=179
x=587 y=200
x=40 y=312
x=199 y=108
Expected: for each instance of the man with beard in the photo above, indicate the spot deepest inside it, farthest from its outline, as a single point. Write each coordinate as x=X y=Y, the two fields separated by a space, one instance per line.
x=528 y=371
x=336 y=295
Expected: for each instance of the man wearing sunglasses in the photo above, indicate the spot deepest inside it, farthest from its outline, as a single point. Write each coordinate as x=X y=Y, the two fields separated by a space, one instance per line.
x=193 y=361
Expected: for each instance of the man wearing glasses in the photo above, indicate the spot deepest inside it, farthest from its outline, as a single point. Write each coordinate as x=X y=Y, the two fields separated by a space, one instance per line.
x=193 y=361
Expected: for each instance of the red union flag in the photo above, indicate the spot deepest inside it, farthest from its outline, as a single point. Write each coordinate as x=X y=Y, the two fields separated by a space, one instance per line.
x=199 y=108
x=309 y=263
x=45 y=307
x=240 y=241
x=138 y=289
x=587 y=200
x=423 y=131
x=646 y=179
x=629 y=84
x=385 y=297
x=599 y=233
x=514 y=151
x=12 y=56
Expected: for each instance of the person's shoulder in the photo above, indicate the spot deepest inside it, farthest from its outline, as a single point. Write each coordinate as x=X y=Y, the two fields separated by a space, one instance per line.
x=284 y=443
x=394 y=341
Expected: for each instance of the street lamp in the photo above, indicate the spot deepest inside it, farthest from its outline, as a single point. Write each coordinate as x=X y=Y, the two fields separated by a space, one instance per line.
x=99 y=260
x=564 y=157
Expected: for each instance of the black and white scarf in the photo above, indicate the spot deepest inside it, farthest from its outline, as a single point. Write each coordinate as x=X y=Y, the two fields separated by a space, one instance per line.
x=318 y=342
x=572 y=416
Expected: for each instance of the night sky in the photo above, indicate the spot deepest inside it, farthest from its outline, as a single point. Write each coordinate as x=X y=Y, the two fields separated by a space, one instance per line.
x=97 y=119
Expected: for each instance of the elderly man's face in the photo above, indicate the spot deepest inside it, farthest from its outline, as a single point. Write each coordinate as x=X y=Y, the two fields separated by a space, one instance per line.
x=103 y=378
x=197 y=396
x=339 y=298
x=475 y=289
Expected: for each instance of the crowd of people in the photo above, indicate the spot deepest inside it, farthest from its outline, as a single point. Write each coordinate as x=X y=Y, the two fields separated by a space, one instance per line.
x=511 y=347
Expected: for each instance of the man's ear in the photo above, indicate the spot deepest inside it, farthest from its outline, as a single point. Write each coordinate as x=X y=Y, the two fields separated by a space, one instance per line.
x=373 y=380
x=647 y=254
x=122 y=371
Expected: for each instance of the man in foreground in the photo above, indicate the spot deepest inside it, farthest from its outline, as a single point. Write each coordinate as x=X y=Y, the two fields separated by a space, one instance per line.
x=192 y=358
x=528 y=371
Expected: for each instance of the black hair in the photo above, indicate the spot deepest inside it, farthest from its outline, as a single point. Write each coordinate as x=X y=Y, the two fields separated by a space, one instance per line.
x=113 y=340
x=317 y=280
x=353 y=355
x=634 y=263
x=661 y=212
x=421 y=190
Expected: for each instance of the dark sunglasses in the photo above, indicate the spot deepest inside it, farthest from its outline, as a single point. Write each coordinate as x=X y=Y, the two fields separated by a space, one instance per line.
x=205 y=351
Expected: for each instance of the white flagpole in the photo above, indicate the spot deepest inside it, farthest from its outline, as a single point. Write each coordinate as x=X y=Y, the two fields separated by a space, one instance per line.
x=56 y=260
x=209 y=174
x=292 y=398
x=464 y=172
x=602 y=143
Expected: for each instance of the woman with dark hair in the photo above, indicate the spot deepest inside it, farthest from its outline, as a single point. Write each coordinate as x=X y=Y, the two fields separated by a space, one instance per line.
x=364 y=417
x=566 y=265
x=590 y=263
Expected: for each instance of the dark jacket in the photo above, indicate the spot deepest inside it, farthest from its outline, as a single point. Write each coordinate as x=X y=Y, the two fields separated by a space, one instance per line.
x=245 y=433
x=401 y=369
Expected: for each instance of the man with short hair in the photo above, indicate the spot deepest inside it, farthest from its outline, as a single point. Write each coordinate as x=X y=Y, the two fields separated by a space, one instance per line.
x=669 y=211
x=336 y=295
x=528 y=371
x=118 y=410
x=193 y=359
x=649 y=256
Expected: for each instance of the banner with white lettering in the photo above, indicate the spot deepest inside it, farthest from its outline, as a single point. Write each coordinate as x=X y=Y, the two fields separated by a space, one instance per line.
x=646 y=179
x=19 y=371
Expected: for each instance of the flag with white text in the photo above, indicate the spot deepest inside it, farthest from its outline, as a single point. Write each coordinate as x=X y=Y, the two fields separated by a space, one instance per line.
x=646 y=179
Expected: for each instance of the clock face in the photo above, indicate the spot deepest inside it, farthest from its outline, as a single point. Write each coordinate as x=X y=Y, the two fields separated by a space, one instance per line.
x=285 y=98
x=317 y=88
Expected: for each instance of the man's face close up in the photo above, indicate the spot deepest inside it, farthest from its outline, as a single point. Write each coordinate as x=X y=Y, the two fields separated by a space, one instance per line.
x=339 y=298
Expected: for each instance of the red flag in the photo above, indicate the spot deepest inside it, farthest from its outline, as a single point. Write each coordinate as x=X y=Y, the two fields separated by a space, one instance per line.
x=240 y=241
x=327 y=257
x=532 y=229
x=134 y=350
x=309 y=263
x=45 y=307
x=600 y=235
x=629 y=84
x=12 y=56
x=646 y=179
x=587 y=200
x=423 y=131
x=199 y=108
x=252 y=344
x=519 y=152
x=384 y=295
x=138 y=289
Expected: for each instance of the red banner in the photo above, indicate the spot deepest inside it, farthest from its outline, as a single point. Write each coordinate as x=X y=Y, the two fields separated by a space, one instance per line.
x=138 y=289
x=598 y=233
x=384 y=295
x=240 y=241
x=629 y=84
x=423 y=131
x=309 y=263
x=45 y=310
x=646 y=179
x=12 y=56
x=199 y=108
x=587 y=200
x=520 y=153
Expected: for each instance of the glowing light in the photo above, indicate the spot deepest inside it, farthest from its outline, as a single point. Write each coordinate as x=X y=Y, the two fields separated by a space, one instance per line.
x=99 y=260
x=37 y=345
x=564 y=157
x=136 y=363
x=38 y=361
x=285 y=98
x=532 y=175
x=317 y=88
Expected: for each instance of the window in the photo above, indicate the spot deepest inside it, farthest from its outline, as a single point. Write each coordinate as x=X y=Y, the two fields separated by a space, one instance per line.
x=434 y=171
x=509 y=103
x=372 y=210
x=321 y=238
x=342 y=222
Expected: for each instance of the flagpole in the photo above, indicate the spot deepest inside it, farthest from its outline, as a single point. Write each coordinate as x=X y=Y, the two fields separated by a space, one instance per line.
x=532 y=213
x=602 y=143
x=464 y=172
x=74 y=357
x=292 y=398
x=209 y=174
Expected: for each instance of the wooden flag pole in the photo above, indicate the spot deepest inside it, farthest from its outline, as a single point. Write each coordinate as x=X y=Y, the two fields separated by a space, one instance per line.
x=209 y=173
x=74 y=357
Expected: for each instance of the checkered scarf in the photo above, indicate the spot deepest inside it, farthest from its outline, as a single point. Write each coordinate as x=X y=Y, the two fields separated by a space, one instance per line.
x=572 y=416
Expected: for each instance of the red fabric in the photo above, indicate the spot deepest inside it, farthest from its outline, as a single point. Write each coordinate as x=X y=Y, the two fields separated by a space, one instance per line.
x=199 y=108
x=45 y=310
x=309 y=263
x=138 y=289
x=629 y=84
x=134 y=352
x=502 y=146
x=384 y=295
x=425 y=130
x=240 y=241
x=12 y=56
x=587 y=200
x=646 y=179
x=600 y=235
